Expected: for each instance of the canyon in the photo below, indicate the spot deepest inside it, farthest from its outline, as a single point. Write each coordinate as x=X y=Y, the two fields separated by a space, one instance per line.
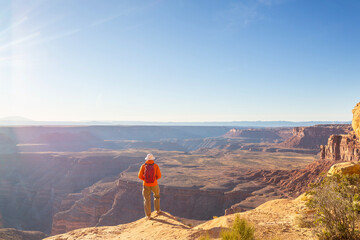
x=56 y=179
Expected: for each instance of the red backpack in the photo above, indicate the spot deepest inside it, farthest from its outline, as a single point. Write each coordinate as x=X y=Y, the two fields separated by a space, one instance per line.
x=149 y=173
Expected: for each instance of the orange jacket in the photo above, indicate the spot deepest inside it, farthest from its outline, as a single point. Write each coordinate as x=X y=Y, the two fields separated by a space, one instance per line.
x=157 y=173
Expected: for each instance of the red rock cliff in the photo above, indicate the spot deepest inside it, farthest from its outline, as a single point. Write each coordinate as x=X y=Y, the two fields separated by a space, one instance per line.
x=341 y=148
x=344 y=147
x=315 y=136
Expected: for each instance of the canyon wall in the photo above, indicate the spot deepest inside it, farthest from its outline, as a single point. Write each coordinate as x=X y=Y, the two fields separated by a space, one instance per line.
x=33 y=185
x=260 y=134
x=344 y=147
x=341 y=148
x=120 y=201
x=315 y=136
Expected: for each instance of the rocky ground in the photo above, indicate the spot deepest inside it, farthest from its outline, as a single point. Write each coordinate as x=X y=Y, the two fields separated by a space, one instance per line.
x=13 y=234
x=275 y=219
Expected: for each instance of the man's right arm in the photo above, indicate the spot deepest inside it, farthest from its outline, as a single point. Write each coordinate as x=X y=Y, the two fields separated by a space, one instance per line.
x=141 y=173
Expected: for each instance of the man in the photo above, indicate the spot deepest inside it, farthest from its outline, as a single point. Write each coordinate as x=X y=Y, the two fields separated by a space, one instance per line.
x=150 y=173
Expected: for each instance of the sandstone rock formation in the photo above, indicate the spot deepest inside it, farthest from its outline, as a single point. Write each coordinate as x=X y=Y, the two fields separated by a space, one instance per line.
x=345 y=168
x=356 y=120
x=13 y=234
x=344 y=147
x=315 y=136
x=341 y=148
x=260 y=134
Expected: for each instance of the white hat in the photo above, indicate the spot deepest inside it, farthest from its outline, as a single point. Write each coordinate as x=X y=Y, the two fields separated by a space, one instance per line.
x=150 y=157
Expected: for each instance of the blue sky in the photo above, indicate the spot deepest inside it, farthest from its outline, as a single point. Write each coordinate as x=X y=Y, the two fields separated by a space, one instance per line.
x=175 y=60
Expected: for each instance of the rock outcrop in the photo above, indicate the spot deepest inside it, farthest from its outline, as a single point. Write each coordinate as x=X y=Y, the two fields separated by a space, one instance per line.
x=345 y=168
x=344 y=147
x=356 y=120
x=341 y=148
x=315 y=136
x=13 y=234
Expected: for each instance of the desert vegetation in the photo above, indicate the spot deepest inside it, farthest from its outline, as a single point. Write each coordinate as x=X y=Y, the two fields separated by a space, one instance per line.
x=240 y=230
x=337 y=206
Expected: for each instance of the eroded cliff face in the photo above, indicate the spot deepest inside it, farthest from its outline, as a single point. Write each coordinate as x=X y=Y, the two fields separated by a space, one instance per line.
x=341 y=148
x=356 y=120
x=33 y=185
x=261 y=135
x=120 y=201
x=315 y=136
x=344 y=147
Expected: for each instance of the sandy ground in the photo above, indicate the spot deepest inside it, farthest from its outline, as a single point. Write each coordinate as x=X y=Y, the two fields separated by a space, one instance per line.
x=273 y=220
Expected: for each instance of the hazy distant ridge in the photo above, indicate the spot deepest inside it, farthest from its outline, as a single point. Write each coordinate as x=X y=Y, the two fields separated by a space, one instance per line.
x=16 y=121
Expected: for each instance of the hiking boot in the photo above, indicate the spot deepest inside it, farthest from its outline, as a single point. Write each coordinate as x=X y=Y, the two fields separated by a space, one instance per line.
x=148 y=217
x=158 y=212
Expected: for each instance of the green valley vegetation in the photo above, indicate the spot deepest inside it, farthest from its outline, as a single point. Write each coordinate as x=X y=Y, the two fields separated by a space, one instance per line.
x=336 y=201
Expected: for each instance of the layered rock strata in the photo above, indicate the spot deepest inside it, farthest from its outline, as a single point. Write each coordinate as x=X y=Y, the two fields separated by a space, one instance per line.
x=315 y=136
x=32 y=186
x=341 y=148
x=344 y=147
x=264 y=135
x=120 y=201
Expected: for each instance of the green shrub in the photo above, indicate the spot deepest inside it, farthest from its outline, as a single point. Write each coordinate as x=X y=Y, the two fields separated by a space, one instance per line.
x=336 y=204
x=206 y=237
x=240 y=230
x=304 y=220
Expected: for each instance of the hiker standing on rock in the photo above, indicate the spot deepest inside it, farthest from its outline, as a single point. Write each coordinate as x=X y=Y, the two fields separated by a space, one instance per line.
x=150 y=173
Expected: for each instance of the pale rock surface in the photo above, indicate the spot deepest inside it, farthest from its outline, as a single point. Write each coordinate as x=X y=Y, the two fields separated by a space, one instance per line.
x=356 y=120
x=14 y=234
x=272 y=220
x=345 y=168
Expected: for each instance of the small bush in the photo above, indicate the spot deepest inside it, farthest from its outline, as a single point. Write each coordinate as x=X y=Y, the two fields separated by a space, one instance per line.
x=336 y=204
x=206 y=237
x=304 y=220
x=241 y=230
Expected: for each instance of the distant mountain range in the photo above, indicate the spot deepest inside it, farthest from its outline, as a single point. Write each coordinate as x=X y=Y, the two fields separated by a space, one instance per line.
x=21 y=121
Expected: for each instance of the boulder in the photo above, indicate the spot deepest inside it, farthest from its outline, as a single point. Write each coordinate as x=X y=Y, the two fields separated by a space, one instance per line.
x=356 y=120
x=345 y=168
